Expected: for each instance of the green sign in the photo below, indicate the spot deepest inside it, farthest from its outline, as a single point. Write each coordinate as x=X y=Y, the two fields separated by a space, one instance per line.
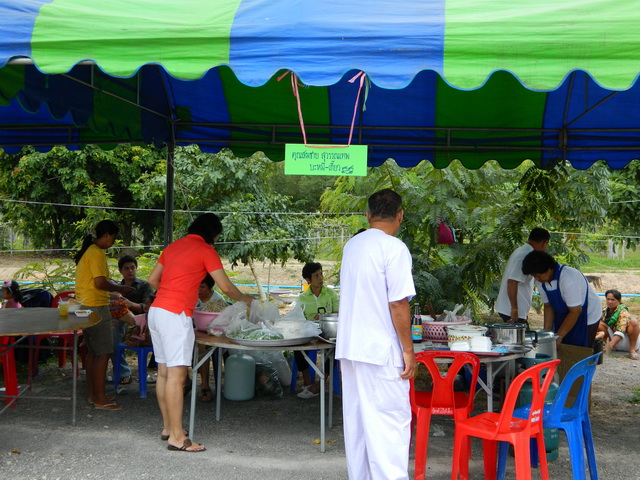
x=325 y=160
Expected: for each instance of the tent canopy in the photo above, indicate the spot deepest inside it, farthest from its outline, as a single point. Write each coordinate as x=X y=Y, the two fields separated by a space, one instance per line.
x=473 y=80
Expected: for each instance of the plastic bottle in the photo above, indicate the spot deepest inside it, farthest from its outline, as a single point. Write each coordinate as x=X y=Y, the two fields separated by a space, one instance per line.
x=416 y=325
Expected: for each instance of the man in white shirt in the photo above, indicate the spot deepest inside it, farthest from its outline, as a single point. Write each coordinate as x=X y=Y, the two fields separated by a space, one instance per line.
x=516 y=289
x=374 y=344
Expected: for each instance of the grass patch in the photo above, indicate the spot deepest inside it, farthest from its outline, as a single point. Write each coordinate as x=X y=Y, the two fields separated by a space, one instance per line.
x=636 y=397
x=599 y=263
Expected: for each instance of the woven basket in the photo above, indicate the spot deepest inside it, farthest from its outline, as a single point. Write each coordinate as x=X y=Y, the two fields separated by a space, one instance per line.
x=437 y=331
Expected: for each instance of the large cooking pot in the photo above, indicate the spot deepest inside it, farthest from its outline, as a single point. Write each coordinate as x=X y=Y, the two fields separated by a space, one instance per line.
x=329 y=325
x=543 y=342
x=506 y=333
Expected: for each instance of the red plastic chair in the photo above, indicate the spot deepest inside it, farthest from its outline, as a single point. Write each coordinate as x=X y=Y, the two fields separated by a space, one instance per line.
x=442 y=399
x=494 y=427
x=65 y=339
x=8 y=370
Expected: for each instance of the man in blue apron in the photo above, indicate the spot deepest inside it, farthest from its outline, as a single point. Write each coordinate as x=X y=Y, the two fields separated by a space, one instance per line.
x=571 y=306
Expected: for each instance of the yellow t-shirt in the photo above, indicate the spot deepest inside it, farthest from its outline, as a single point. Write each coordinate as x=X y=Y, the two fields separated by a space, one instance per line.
x=92 y=264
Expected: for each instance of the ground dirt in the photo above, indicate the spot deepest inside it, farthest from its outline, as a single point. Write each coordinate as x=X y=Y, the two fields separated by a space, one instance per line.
x=272 y=439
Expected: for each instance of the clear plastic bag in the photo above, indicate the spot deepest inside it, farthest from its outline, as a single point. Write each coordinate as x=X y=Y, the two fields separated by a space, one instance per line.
x=267 y=382
x=295 y=325
x=277 y=361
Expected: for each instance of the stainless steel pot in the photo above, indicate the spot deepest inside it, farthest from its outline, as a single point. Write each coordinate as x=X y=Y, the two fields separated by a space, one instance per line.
x=329 y=325
x=506 y=333
x=542 y=341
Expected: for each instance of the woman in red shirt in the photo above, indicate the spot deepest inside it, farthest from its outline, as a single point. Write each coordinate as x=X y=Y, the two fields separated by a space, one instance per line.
x=177 y=275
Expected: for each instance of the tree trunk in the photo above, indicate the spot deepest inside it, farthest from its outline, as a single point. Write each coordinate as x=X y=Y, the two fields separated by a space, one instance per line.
x=263 y=296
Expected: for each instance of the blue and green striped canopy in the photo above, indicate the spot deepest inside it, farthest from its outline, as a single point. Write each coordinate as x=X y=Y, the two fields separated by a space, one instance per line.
x=473 y=80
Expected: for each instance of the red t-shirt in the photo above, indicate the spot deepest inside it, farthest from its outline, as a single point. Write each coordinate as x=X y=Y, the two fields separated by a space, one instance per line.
x=185 y=264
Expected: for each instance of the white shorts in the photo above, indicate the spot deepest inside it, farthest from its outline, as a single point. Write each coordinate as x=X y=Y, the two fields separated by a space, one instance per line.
x=623 y=345
x=172 y=336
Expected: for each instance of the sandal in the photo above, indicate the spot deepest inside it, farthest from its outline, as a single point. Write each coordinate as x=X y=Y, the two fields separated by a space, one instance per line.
x=125 y=380
x=108 y=406
x=207 y=395
x=185 y=447
x=634 y=356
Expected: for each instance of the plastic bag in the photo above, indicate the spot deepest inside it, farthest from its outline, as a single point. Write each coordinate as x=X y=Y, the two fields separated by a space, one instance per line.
x=451 y=316
x=265 y=312
x=233 y=313
x=267 y=383
x=295 y=325
x=277 y=361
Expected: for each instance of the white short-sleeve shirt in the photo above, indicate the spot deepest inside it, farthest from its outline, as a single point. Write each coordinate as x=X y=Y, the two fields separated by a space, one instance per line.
x=513 y=271
x=573 y=289
x=376 y=270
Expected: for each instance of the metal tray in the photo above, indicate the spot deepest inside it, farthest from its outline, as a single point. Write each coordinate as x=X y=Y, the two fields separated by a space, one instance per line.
x=286 y=342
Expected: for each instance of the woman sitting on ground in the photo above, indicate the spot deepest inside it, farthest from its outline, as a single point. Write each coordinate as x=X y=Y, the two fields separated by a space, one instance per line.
x=618 y=327
x=314 y=300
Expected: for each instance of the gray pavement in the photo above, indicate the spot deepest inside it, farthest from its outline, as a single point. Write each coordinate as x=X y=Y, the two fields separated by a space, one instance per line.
x=261 y=438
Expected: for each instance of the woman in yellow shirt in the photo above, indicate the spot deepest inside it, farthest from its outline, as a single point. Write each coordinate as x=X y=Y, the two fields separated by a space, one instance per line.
x=92 y=290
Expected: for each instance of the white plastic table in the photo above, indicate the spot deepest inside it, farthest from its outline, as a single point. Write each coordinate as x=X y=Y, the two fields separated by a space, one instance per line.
x=23 y=322
x=223 y=342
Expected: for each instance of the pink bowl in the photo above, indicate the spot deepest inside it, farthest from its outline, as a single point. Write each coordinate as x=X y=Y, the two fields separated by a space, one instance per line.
x=202 y=319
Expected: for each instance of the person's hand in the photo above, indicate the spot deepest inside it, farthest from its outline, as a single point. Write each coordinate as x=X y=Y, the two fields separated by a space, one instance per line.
x=125 y=289
x=409 y=365
x=558 y=343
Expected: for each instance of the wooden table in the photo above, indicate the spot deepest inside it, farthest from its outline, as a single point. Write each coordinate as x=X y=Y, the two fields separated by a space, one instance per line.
x=504 y=362
x=223 y=342
x=23 y=322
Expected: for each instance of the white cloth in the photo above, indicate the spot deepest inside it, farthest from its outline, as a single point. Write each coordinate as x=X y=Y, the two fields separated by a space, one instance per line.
x=376 y=270
x=172 y=337
x=513 y=271
x=573 y=289
x=623 y=345
x=377 y=421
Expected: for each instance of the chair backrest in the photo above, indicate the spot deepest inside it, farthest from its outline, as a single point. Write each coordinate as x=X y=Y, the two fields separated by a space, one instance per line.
x=36 y=297
x=61 y=295
x=540 y=386
x=584 y=369
x=442 y=395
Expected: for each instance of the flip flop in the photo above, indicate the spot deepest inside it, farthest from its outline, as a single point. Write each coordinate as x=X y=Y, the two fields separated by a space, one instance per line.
x=634 y=356
x=111 y=398
x=108 y=406
x=185 y=447
x=164 y=438
x=125 y=380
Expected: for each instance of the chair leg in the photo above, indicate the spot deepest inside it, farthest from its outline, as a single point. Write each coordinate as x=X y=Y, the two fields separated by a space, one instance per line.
x=587 y=435
x=503 y=453
x=460 y=462
x=62 y=354
x=542 y=456
x=523 y=459
x=576 y=448
x=142 y=371
x=10 y=377
x=489 y=448
x=116 y=367
x=423 y=423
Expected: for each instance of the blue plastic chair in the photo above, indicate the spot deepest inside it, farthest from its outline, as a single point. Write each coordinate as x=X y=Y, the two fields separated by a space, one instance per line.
x=143 y=353
x=574 y=420
x=313 y=354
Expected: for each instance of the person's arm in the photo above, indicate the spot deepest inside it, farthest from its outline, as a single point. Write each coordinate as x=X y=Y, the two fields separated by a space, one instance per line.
x=155 y=276
x=570 y=320
x=228 y=288
x=401 y=318
x=512 y=293
x=101 y=283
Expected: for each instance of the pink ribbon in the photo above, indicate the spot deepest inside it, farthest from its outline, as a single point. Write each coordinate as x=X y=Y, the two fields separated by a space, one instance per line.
x=294 y=87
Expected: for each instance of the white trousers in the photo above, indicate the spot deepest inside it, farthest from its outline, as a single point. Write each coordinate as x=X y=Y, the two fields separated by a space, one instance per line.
x=377 y=421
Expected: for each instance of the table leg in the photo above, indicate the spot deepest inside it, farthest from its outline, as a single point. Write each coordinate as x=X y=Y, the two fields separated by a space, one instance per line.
x=194 y=386
x=489 y=387
x=74 y=377
x=321 y=375
x=331 y=372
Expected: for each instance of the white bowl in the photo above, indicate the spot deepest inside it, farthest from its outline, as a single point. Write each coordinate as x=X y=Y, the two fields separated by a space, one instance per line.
x=82 y=313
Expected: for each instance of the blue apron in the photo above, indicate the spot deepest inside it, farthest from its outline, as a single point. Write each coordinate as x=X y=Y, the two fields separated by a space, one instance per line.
x=578 y=334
